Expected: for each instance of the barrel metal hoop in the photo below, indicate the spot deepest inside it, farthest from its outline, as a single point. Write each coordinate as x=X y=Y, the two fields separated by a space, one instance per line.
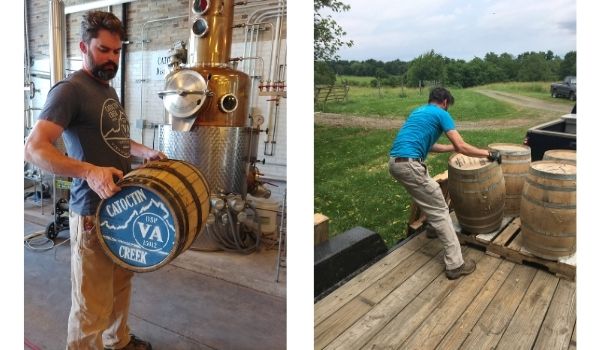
x=474 y=178
x=186 y=183
x=546 y=175
x=514 y=175
x=548 y=204
x=550 y=188
x=492 y=215
x=515 y=161
x=550 y=234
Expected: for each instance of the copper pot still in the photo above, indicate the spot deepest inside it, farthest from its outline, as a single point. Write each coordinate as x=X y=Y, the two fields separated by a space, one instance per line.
x=207 y=101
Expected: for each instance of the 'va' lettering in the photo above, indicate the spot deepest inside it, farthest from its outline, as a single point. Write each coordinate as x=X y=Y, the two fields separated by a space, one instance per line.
x=156 y=235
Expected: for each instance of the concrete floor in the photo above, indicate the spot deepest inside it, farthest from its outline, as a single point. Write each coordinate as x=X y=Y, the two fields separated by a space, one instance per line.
x=200 y=301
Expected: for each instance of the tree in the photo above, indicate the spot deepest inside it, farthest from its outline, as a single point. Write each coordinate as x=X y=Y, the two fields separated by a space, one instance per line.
x=429 y=66
x=568 y=66
x=534 y=66
x=324 y=74
x=327 y=33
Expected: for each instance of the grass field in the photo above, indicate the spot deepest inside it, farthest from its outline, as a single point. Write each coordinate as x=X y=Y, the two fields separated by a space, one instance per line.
x=354 y=188
x=397 y=102
x=469 y=105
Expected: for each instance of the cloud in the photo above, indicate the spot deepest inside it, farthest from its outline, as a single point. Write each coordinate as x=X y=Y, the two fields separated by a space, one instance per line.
x=458 y=29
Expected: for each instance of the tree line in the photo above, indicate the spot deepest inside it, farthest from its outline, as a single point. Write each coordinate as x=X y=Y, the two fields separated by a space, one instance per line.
x=433 y=67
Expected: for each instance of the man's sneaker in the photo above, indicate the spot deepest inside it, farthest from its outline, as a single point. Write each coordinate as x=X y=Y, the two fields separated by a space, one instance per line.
x=464 y=269
x=136 y=343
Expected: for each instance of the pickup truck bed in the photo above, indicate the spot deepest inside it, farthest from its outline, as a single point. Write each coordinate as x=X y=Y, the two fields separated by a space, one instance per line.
x=556 y=134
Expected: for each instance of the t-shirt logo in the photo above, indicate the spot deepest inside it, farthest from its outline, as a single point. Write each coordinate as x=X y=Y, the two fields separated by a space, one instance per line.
x=115 y=127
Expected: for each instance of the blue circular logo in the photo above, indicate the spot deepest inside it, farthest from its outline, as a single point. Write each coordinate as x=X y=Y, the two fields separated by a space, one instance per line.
x=137 y=227
x=151 y=232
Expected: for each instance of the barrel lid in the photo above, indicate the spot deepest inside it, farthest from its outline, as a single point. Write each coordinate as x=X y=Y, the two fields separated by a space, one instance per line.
x=460 y=161
x=554 y=167
x=567 y=154
x=136 y=228
x=510 y=148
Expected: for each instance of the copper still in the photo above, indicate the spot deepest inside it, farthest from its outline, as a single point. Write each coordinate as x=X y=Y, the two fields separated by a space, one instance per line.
x=207 y=101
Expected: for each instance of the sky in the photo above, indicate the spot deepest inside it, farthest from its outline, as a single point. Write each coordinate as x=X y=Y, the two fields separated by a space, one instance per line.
x=461 y=29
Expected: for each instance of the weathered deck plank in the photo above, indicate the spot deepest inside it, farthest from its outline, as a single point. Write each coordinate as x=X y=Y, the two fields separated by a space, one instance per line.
x=411 y=317
x=435 y=327
x=489 y=329
x=408 y=303
x=556 y=331
x=374 y=320
x=525 y=324
x=334 y=325
x=334 y=301
x=460 y=330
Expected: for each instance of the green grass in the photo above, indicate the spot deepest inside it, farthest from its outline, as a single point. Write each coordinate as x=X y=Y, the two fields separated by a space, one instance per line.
x=469 y=105
x=354 y=188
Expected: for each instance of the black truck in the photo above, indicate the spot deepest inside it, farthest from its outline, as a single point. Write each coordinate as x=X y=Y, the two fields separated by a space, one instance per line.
x=556 y=134
x=567 y=88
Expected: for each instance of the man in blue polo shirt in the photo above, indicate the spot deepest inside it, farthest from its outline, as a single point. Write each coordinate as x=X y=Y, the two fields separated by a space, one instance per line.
x=416 y=138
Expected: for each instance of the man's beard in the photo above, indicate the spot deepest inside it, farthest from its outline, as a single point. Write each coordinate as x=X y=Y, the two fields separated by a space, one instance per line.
x=105 y=71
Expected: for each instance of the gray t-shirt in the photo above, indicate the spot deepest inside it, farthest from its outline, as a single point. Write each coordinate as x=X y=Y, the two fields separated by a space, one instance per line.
x=96 y=130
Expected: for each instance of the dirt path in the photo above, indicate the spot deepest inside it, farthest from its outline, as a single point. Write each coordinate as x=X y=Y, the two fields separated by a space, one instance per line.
x=524 y=101
x=548 y=111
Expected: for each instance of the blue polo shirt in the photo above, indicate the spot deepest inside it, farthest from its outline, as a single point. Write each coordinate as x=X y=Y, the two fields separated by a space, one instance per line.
x=420 y=131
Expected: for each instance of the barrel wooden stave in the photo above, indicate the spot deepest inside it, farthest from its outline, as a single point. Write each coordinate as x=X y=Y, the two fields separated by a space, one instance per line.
x=548 y=212
x=477 y=196
x=515 y=166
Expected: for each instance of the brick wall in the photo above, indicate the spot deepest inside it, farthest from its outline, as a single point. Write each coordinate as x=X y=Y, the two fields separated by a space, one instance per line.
x=141 y=86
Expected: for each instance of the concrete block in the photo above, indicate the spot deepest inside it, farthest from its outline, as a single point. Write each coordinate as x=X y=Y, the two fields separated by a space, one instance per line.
x=344 y=254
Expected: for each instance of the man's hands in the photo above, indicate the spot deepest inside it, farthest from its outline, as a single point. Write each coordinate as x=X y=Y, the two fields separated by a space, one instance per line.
x=495 y=156
x=101 y=180
x=152 y=154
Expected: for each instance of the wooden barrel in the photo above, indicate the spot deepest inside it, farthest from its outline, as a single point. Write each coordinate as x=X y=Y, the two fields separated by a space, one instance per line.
x=476 y=188
x=515 y=165
x=548 y=217
x=561 y=155
x=156 y=216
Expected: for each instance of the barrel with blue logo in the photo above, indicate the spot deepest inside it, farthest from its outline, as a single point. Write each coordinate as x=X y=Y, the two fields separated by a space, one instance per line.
x=156 y=216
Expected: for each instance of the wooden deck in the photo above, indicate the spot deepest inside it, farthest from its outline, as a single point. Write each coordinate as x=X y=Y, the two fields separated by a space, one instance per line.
x=405 y=301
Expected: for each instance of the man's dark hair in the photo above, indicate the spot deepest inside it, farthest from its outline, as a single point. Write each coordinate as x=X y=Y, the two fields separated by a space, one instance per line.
x=93 y=21
x=439 y=94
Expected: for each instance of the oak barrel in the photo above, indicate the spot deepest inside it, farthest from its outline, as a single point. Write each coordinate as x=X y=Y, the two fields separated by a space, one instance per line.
x=476 y=188
x=515 y=165
x=548 y=209
x=158 y=213
x=561 y=155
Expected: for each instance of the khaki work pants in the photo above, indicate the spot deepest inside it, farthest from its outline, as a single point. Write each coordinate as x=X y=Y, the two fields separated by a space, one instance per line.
x=100 y=292
x=429 y=197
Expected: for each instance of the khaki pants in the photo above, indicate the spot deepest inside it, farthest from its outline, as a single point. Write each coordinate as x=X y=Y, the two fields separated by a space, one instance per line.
x=429 y=197
x=100 y=292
